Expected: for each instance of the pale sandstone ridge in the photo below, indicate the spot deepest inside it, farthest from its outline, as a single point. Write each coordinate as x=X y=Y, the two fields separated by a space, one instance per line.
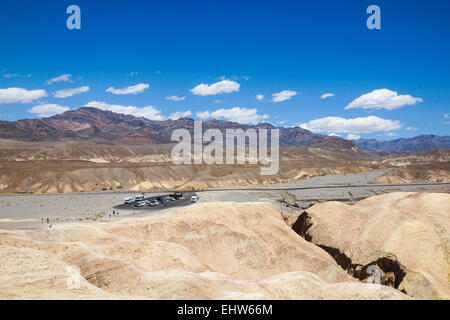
x=205 y=251
x=412 y=229
x=414 y=175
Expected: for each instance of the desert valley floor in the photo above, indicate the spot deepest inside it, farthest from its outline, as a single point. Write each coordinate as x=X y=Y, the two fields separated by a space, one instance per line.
x=318 y=238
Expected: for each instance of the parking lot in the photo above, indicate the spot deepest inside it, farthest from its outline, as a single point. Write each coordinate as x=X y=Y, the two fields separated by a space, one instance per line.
x=141 y=202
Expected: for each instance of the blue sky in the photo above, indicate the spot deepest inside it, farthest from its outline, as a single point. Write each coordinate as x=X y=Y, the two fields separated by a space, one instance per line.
x=250 y=48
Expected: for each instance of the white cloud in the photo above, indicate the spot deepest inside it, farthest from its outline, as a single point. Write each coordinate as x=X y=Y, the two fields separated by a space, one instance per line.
x=411 y=128
x=383 y=99
x=148 y=112
x=260 y=97
x=175 y=98
x=333 y=135
x=241 y=115
x=180 y=114
x=224 y=86
x=203 y=114
x=138 y=88
x=61 y=78
x=20 y=95
x=327 y=95
x=283 y=95
x=218 y=101
x=70 y=92
x=48 y=110
x=352 y=137
x=391 y=134
x=447 y=116
x=133 y=73
x=10 y=75
x=14 y=75
x=356 y=125
x=281 y=122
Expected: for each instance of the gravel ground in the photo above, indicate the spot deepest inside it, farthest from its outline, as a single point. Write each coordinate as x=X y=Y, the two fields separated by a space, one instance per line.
x=26 y=211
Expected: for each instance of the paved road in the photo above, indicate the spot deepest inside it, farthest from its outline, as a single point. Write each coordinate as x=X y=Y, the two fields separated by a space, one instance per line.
x=27 y=210
x=268 y=188
x=262 y=188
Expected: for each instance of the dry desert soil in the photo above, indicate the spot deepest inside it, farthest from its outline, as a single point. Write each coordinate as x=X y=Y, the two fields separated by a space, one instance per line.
x=329 y=225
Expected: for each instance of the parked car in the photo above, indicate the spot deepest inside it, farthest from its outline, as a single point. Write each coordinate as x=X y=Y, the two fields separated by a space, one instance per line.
x=139 y=197
x=128 y=200
x=139 y=204
x=194 y=199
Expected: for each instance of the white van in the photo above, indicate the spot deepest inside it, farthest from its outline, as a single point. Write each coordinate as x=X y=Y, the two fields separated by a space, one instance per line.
x=194 y=199
x=128 y=200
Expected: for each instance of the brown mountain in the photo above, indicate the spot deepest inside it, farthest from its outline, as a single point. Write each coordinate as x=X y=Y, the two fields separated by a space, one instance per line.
x=105 y=127
x=422 y=143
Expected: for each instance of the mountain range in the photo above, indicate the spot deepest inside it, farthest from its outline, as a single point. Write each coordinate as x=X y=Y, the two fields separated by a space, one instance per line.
x=105 y=127
x=422 y=143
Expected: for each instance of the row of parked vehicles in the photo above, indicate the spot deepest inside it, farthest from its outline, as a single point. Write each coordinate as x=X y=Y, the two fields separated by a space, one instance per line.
x=139 y=201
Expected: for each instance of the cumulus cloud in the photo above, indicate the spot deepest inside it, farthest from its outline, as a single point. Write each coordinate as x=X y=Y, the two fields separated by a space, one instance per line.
x=241 y=115
x=61 y=78
x=224 y=86
x=236 y=114
x=218 y=101
x=391 y=134
x=283 y=95
x=180 y=114
x=137 y=88
x=11 y=75
x=356 y=125
x=203 y=114
x=20 y=95
x=14 y=75
x=260 y=97
x=327 y=95
x=383 y=99
x=48 y=110
x=70 y=92
x=352 y=137
x=411 y=128
x=175 y=98
x=148 y=112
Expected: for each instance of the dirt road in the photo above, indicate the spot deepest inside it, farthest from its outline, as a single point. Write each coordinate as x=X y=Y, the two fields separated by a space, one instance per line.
x=31 y=211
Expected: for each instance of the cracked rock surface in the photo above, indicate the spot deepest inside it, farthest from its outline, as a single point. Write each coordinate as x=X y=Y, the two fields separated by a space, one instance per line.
x=216 y=250
x=403 y=236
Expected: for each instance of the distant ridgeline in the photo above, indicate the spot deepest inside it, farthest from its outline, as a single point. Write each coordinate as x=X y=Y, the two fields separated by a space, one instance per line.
x=422 y=143
x=105 y=127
